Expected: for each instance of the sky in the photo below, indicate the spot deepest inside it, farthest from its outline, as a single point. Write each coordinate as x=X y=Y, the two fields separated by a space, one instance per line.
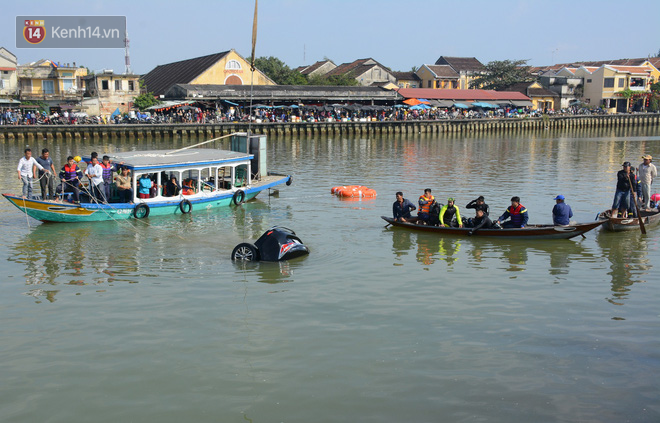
x=398 y=34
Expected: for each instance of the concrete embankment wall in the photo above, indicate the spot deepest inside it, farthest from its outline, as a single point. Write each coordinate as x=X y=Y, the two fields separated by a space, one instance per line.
x=207 y=131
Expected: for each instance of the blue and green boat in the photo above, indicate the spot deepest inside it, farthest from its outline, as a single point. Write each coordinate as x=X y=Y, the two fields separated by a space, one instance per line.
x=217 y=178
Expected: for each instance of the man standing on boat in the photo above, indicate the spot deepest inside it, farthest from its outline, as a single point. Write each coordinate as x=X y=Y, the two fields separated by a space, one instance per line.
x=561 y=212
x=646 y=172
x=517 y=214
x=401 y=208
x=94 y=172
x=70 y=175
x=425 y=202
x=46 y=179
x=622 y=193
x=108 y=170
x=25 y=174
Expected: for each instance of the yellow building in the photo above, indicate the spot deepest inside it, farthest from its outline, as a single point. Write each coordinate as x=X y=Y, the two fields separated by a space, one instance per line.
x=8 y=79
x=226 y=68
x=602 y=84
x=542 y=98
x=51 y=82
x=438 y=76
x=467 y=68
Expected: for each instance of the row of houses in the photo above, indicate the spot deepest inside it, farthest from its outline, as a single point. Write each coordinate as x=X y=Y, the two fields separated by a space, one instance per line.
x=217 y=76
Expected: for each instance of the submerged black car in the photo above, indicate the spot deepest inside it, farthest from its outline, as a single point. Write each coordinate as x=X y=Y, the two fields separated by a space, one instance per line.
x=277 y=243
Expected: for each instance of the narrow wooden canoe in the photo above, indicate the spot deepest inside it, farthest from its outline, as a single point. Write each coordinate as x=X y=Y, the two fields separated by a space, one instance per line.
x=618 y=224
x=528 y=232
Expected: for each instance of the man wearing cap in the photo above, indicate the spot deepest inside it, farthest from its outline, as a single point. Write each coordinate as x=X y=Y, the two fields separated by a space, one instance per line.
x=622 y=194
x=646 y=172
x=561 y=212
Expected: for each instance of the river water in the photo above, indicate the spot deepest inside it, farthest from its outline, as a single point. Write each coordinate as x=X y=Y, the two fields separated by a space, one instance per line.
x=152 y=322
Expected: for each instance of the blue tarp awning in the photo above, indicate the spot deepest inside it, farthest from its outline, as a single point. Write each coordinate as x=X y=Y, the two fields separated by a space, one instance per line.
x=230 y=102
x=484 y=105
x=460 y=105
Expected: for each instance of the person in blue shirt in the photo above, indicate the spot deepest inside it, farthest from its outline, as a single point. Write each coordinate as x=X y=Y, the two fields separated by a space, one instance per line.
x=561 y=212
x=401 y=208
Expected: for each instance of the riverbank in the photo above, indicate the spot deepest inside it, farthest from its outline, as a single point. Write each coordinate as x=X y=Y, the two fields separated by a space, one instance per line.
x=457 y=126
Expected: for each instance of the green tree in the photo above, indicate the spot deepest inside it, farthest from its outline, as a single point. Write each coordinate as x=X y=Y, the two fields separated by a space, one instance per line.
x=278 y=71
x=655 y=87
x=335 y=80
x=502 y=74
x=145 y=100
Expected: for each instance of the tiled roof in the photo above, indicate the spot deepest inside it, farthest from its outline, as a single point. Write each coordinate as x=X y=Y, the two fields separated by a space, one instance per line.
x=461 y=63
x=461 y=95
x=306 y=70
x=355 y=68
x=443 y=71
x=164 y=76
x=638 y=70
x=524 y=87
x=406 y=76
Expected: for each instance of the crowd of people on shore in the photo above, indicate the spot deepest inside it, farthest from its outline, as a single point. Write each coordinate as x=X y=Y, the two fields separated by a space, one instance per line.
x=278 y=114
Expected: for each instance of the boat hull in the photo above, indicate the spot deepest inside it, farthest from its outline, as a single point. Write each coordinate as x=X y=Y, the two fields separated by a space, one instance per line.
x=529 y=232
x=49 y=211
x=619 y=224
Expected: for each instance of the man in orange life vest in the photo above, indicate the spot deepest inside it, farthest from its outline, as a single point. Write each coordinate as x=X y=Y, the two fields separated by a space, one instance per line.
x=425 y=202
x=517 y=214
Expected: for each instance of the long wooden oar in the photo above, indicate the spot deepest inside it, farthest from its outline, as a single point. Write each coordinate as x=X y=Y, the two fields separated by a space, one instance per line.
x=639 y=217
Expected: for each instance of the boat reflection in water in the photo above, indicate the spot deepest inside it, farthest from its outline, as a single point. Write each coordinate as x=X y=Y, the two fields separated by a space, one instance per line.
x=484 y=253
x=629 y=264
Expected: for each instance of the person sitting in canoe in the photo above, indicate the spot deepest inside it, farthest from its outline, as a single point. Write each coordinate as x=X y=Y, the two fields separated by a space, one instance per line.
x=561 y=212
x=401 y=208
x=517 y=213
x=426 y=200
x=481 y=221
x=447 y=214
x=479 y=203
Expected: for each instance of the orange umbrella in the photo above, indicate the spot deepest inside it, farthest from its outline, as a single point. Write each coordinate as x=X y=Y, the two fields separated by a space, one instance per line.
x=412 y=102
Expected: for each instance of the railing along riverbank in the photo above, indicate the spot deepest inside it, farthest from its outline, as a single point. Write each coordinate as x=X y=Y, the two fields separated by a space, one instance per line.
x=31 y=133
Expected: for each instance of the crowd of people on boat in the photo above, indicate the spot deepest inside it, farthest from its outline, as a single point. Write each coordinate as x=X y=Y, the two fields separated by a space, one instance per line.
x=432 y=213
x=633 y=188
x=105 y=181
x=633 y=191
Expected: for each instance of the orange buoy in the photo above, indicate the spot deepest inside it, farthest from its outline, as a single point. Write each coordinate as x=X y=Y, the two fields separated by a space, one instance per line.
x=356 y=191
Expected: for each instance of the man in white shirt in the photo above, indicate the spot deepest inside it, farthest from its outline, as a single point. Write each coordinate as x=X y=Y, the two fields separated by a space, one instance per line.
x=25 y=166
x=94 y=172
x=646 y=172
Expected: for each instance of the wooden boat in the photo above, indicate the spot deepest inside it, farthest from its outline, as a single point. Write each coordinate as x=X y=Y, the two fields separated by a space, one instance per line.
x=219 y=178
x=528 y=232
x=618 y=224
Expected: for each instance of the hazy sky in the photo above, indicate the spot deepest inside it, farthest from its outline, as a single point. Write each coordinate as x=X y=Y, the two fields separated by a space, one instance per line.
x=399 y=34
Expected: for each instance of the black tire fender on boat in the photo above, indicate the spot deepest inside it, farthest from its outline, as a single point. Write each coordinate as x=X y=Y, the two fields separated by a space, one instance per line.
x=239 y=197
x=185 y=206
x=141 y=211
x=245 y=252
x=290 y=181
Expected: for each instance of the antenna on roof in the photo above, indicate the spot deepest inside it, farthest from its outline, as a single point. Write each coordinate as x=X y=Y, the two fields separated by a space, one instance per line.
x=127 y=56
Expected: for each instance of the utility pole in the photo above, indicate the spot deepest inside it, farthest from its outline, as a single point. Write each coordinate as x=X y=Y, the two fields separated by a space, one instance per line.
x=127 y=56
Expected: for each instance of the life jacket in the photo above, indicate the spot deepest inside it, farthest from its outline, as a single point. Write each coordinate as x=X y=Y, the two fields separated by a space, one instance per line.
x=425 y=208
x=517 y=214
x=188 y=190
x=70 y=173
x=107 y=171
